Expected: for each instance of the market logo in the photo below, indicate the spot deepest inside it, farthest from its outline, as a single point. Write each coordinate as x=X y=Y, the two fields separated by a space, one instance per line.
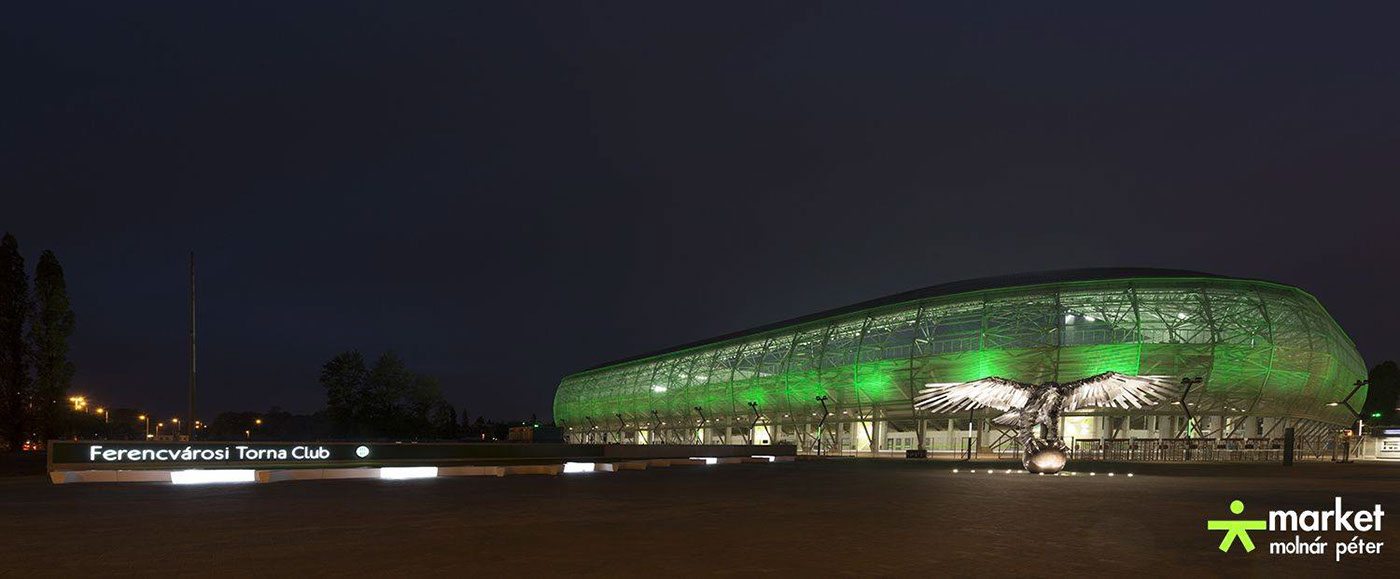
x=362 y=451
x=1236 y=529
x=1333 y=520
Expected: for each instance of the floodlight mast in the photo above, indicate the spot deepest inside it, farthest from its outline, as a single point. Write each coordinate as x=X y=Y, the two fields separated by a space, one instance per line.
x=190 y=417
x=825 y=413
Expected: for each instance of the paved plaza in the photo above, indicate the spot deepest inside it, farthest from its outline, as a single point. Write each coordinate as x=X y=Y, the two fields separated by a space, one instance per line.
x=812 y=517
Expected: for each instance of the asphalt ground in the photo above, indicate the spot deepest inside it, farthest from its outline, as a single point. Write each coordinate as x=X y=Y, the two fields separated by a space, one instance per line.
x=812 y=517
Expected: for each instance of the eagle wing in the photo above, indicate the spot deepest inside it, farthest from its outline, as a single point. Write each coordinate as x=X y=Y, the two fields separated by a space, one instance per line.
x=1112 y=389
x=1012 y=419
x=999 y=393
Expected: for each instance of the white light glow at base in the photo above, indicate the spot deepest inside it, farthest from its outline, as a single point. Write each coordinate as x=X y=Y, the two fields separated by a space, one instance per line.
x=767 y=457
x=707 y=459
x=580 y=467
x=407 y=472
x=199 y=477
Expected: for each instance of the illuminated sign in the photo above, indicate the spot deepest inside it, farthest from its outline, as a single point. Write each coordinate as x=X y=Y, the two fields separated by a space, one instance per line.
x=99 y=453
x=137 y=455
x=118 y=454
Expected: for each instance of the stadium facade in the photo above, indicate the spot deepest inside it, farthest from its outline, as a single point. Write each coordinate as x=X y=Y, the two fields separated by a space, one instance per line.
x=1269 y=356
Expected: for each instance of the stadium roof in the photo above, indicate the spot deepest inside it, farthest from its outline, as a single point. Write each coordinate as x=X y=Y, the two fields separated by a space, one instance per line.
x=944 y=289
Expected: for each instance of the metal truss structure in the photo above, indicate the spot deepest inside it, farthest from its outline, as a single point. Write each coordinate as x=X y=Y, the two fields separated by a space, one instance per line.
x=847 y=381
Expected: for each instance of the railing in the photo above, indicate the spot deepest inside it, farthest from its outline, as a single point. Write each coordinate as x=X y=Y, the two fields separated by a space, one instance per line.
x=1197 y=449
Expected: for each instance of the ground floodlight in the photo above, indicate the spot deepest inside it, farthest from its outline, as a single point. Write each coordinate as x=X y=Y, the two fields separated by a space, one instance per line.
x=196 y=477
x=407 y=472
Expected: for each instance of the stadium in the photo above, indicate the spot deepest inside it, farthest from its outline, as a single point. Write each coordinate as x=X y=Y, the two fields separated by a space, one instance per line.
x=843 y=381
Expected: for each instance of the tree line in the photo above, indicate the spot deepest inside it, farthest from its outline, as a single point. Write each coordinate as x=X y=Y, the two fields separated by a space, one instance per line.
x=384 y=399
x=35 y=325
x=278 y=424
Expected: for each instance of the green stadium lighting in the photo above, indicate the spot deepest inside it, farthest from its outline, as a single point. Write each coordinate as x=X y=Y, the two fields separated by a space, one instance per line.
x=1271 y=344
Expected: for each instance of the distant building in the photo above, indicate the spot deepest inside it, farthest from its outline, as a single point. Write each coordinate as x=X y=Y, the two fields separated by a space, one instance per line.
x=534 y=433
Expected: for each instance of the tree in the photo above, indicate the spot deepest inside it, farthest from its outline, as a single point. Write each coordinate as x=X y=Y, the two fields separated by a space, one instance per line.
x=418 y=406
x=344 y=377
x=387 y=400
x=379 y=409
x=444 y=420
x=14 y=357
x=1382 y=392
x=49 y=331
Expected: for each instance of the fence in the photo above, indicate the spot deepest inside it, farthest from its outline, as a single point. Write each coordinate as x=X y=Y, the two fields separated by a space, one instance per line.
x=1200 y=449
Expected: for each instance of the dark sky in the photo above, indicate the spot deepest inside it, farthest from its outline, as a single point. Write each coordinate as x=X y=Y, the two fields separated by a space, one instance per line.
x=505 y=193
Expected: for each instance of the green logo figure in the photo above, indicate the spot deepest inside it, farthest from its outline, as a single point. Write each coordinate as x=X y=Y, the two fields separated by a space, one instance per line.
x=1235 y=529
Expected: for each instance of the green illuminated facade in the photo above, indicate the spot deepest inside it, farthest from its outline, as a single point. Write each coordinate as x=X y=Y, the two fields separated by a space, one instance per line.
x=1269 y=354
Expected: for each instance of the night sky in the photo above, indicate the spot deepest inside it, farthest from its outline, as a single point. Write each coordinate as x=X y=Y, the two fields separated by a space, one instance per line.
x=505 y=193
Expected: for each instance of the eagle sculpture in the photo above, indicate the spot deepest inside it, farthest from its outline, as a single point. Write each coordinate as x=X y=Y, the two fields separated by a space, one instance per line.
x=1027 y=406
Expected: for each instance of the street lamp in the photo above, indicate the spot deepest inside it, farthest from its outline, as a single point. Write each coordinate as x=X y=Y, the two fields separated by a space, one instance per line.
x=106 y=416
x=146 y=420
x=1347 y=401
x=159 y=425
